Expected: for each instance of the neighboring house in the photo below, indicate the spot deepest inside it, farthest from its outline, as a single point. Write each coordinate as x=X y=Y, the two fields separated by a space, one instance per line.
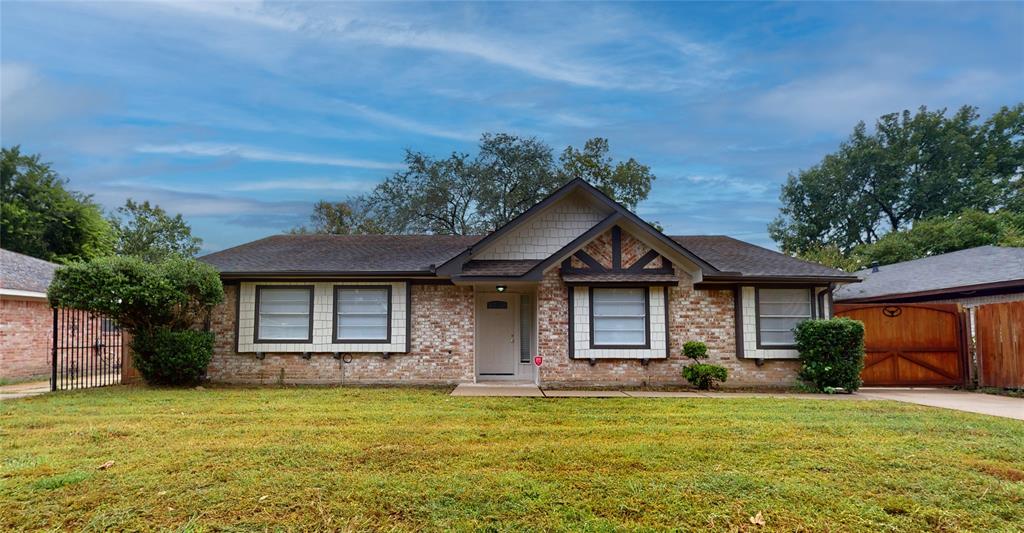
x=26 y=319
x=603 y=297
x=972 y=277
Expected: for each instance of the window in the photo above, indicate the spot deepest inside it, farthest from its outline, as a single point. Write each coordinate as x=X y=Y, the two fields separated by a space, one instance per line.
x=525 y=328
x=778 y=312
x=284 y=314
x=362 y=314
x=618 y=318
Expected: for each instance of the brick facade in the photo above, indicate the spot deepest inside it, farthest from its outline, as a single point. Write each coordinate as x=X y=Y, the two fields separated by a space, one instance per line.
x=442 y=348
x=706 y=316
x=26 y=334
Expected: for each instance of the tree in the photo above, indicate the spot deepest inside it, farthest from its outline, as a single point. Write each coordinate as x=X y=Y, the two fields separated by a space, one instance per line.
x=934 y=236
x=162 y=304
x=148 y=232
x=628 y=181
x=431 y=196
x=349 y=217
x=912 y=167
x=41 y=218
x=465 y=194
x=514 y=174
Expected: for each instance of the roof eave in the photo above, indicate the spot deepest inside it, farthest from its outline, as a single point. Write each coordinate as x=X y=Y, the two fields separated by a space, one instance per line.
x=952 y=292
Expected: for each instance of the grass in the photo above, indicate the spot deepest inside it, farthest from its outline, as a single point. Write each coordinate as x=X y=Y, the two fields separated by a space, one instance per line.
x=364 y=458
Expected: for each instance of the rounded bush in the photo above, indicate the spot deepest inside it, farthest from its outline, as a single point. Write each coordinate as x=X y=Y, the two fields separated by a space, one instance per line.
x=695 y=350
x=704 y=376
x=832 y=352
x=172 y=357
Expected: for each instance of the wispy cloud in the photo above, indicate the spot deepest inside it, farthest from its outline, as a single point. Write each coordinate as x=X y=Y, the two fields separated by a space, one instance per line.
x=561 y=55
x=395 y=121
x=260 y=154
x=299 y=184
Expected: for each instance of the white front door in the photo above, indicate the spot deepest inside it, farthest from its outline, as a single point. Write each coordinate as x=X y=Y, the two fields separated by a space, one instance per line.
x=497 y=335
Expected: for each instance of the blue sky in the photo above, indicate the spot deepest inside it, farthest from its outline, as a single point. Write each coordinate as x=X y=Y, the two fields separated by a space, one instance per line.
x=240 y=116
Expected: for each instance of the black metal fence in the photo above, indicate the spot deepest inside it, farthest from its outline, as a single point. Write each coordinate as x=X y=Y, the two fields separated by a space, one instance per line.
x=86 y=350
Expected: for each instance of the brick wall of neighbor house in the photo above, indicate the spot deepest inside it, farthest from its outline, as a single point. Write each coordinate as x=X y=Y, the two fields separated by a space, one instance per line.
x=442 y=348
x=706 y=316
x=26 y=334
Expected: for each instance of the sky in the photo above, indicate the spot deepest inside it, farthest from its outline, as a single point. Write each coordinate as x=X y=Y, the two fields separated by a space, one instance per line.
x=241 y=115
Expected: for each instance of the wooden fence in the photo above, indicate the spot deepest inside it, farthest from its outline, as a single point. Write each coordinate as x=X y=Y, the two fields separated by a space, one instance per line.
x=1000 y=345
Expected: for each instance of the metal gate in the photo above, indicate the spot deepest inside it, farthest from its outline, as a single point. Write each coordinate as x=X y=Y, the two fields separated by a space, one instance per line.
x=911 y=344
x=86 y=350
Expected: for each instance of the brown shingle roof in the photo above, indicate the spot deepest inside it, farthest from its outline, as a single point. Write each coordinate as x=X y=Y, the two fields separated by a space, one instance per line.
x=498 y=267
x=732 y=255
x=951 y=272
x=340 y=254
x=24 y=273
x=408 y=254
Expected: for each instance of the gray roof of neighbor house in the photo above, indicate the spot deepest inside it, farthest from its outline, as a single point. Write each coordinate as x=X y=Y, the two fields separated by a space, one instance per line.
x=23 y=273
x=336 y=254
x=732 y=255
x=414 y=254
x=984 y=267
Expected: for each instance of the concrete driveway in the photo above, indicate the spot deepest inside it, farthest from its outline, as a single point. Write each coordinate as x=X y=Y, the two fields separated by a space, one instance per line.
x=971 y=402
x=24 y=390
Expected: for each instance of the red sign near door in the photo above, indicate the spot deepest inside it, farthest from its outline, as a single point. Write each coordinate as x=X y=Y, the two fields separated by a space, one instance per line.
x=538 y=360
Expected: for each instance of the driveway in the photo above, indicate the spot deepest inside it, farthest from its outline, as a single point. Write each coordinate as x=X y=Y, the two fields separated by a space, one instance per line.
x=972 y=402
x=22 y=390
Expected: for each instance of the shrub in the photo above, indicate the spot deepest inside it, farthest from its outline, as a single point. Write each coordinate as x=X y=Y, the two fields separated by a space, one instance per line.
x=695 y=350
x=832 y=352
x=158 y=303
x=702 y=375
x=168 y=357
x=177 y=293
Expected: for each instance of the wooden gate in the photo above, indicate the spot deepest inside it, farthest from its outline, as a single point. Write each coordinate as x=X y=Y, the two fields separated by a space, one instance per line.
x=911 y=344
x=1000 y=344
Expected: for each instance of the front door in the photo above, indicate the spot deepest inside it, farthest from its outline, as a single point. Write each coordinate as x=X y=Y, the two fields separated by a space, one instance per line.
x=497 y=335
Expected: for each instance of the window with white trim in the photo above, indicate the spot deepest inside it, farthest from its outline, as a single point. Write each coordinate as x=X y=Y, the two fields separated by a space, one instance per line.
x=618 y=317
x=362 y=314
x=778 y=313
x=284 y=314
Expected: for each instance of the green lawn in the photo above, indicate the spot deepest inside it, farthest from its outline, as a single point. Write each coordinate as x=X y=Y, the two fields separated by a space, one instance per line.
x=355 y=458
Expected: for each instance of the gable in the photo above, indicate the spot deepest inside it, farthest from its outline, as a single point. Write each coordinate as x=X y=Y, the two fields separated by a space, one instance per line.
x=546 y=232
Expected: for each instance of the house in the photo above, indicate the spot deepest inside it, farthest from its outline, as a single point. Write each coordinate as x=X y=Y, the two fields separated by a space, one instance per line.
x=577 y=283
x=972 y=277
x=26 y=319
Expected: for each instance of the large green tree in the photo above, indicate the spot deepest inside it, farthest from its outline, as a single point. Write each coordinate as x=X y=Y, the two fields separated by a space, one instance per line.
x=931 y=236
x=468 y=194
x=148 y=232
x=41 y=218
x=347 y=217
x=912 y=167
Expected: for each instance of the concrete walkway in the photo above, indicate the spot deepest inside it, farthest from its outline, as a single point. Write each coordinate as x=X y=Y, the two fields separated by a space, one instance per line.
x=971 y=402
x=24 y=390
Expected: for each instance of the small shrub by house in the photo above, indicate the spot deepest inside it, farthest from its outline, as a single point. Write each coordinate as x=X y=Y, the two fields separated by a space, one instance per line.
x=702 y=375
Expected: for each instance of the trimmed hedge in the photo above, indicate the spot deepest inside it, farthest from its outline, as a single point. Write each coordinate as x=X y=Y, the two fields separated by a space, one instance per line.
x=172 y=357
x=704 y=376
x=832 y=352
